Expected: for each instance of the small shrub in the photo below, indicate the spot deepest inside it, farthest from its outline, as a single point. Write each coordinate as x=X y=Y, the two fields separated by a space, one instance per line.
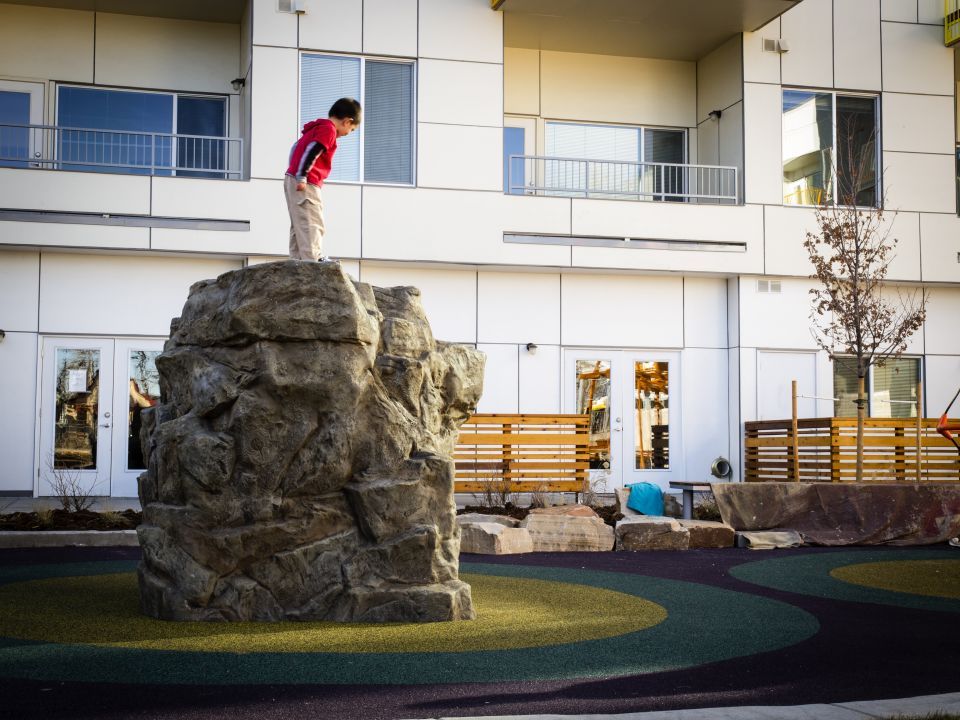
x=44 y=516
x=538 y=496
x=69 y=489
x=496 y=493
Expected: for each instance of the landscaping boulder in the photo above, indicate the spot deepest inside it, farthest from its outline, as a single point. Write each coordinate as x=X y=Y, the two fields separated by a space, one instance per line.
x=505 y=520
x=299 y=466
x=493 y=538
x=568 y=528
x=708 y=534
x=642 y=532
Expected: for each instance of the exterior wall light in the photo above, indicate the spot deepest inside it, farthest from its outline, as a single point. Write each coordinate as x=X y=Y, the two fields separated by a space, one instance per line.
x=715 y=114
x=238 y=83
x=532 y=348
x=2 y=335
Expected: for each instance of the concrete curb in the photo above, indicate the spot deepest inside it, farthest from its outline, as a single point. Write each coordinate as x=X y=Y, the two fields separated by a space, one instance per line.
x=863 y=710
x=66 y=538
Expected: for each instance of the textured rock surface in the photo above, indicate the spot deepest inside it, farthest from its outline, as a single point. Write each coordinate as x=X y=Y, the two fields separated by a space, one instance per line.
x=643 y=532
x=708 y=534
x=504 y=520
x=300 y=464
x=568 y=528
x=768 y=539
x=492 y=538
x=844 y=513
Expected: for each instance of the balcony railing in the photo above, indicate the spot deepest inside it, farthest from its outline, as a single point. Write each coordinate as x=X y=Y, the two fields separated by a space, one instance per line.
x=622 y=180
x=53 y=147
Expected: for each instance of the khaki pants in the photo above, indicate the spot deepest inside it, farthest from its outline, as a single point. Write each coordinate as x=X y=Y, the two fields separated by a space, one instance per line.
x=306 y=220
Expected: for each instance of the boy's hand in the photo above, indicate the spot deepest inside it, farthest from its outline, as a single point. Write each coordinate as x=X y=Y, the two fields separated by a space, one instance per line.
x=301 y=186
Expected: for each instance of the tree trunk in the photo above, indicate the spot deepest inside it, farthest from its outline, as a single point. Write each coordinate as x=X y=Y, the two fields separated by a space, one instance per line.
x=861 y=415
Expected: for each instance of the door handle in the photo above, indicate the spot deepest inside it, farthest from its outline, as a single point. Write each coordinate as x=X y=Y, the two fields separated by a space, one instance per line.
x=105 y=425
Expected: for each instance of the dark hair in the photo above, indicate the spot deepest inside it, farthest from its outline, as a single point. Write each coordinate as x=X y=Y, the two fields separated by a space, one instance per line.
x=346 y=108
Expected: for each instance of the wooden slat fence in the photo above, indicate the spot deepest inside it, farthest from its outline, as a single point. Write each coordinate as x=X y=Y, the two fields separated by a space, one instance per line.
x=542 y=453
x=827 y=451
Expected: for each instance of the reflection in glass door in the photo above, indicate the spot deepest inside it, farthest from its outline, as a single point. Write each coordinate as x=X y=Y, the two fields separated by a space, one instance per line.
x=634 y=434
x=138 y=388
x=21 y=105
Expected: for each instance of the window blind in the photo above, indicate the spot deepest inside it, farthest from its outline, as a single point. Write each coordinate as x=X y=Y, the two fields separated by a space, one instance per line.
x=388 y=122
x=895 y=388
x=324 y=80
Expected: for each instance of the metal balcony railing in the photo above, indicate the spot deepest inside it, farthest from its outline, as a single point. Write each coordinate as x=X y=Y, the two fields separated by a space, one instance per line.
x=53 y=147
x=622 y=180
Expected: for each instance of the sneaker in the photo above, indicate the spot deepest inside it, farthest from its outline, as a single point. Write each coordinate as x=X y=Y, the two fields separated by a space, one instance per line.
x=327 y=258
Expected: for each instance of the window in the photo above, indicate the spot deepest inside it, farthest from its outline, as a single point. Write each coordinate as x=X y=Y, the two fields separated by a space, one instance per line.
x=891 y=388
x=827 y=134
x=382 y=150
x=141 y=133
x=618 y=150
x=514 y=142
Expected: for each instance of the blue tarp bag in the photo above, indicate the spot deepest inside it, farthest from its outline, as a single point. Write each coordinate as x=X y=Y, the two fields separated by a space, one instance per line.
x=645 y=498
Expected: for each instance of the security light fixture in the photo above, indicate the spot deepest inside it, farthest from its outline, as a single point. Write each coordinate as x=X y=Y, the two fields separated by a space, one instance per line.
x=715 y=114
x=238 y=83
x=2 y=335
x=532 y=348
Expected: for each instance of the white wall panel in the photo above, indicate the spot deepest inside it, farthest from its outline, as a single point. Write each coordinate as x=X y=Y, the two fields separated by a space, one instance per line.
x=776 y=372
x=940 y=332
x=460 y=157
x=275 y=125
x=706 y=410
x=332 y=25
x=18 y=388
x=719 y=82
x=915 y=59
x=704 y=312
x=521 y=81
x=708 y=143
x=482 y=43
x=390 y=27
x=115 y=299
x=500 y=379
x=449 y=297
x=621 y=311
x=776 y=320
x=940 y=235
x=460 y=226
x=748 y=388
x=518 y=308
x=763 y=169
x=219 y=242
x=162 y=53
x=539 y=380
x=930 y=12
x=899 y=10
x=856 y=44
x=731 y=140
x=734 y=426
x=760 y=66
x=810 y=59
x=63 y=235
x=46 y=43
x=75 y=191
x=460 y=93
x=342 y=215
x=918 y=123
x=920 y=182
x=19 y=291
x=272 y=27
x=607 y=88
x=941 y=380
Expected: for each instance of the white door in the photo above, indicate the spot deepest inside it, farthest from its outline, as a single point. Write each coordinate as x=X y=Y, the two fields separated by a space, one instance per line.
x=92 y=392
x=137 y=387
x=633 y=400
x=76 y=417
x=776 y=372
x=21 y=104
x=519 y=138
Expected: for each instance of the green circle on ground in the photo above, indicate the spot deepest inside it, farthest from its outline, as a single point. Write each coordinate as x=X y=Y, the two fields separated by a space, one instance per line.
x=824 y=574
x=679 y=641
x=511 y=613
x=938 y=578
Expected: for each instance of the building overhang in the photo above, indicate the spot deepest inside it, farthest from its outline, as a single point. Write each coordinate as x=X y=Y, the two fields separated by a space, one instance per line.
x=224 y=11
x=667 y=29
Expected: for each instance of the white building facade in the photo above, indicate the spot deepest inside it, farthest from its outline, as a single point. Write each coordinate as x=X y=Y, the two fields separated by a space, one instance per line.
x=609 y=202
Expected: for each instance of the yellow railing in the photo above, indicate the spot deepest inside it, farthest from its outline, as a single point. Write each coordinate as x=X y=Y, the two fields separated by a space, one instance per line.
x=951 y=22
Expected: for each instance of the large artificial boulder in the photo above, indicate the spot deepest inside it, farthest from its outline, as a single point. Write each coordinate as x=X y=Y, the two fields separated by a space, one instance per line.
x=844 y=513
x=568 y=528
x=300 y=464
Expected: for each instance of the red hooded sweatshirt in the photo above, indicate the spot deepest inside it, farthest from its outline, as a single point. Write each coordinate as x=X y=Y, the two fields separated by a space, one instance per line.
x=312 y=155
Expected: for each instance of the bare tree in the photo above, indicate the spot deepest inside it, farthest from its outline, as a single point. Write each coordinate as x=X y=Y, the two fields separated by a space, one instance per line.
x=856 y=316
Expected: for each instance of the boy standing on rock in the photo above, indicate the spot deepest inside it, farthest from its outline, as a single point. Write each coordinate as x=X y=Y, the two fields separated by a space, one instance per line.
x=311 y=159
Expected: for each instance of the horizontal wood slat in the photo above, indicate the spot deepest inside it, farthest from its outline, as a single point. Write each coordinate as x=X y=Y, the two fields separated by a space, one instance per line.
x=827 y=451
x=523 y=452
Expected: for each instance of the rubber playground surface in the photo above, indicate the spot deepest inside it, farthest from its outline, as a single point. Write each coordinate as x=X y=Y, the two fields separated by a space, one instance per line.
x=562 y=633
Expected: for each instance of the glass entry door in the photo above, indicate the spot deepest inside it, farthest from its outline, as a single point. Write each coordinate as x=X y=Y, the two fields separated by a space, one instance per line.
x=92 y=392
x=632 y=398
x=21 y=104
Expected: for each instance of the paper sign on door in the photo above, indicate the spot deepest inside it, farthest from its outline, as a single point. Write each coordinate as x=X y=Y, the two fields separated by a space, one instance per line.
x=77 y=381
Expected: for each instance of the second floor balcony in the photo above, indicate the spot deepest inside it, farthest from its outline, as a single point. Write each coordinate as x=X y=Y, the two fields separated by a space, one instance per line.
x=54 y=147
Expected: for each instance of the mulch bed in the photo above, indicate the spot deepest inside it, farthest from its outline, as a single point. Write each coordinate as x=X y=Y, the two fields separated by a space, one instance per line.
x=63 y=520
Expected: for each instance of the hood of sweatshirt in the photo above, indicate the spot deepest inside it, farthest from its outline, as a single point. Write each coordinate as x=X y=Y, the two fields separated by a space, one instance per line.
x=313 y=123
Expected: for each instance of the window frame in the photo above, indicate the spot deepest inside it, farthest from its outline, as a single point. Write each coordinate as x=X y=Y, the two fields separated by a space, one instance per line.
x=870 y=389
x=878 y=149
x=361 y=131
x=175 y=95
x=642 y=128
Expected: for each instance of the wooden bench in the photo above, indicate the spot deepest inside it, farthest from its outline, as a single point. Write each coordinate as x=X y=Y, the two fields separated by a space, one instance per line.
x=523 y=453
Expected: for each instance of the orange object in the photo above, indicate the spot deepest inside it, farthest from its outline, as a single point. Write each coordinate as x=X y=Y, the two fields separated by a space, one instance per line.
x=945 y=428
